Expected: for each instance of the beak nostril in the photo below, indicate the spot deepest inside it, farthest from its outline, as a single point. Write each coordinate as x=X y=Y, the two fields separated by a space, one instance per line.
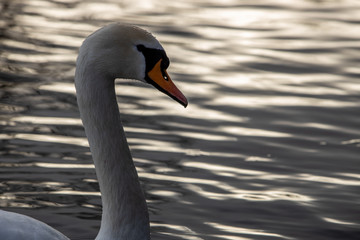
x=159 y=78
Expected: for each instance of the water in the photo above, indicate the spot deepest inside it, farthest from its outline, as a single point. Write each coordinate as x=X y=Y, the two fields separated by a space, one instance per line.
x=267 y=149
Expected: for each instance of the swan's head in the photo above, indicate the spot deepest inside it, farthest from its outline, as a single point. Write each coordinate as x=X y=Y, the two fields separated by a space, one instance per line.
x=125 y=51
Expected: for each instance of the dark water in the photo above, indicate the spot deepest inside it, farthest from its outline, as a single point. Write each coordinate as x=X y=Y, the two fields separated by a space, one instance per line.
x=267 y=149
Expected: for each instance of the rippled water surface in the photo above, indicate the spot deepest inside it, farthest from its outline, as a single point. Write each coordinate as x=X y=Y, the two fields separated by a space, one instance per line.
x=267 y=149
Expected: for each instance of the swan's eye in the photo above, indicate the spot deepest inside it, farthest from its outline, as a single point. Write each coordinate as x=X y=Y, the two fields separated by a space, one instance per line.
x=165 y=62
x=152 y=57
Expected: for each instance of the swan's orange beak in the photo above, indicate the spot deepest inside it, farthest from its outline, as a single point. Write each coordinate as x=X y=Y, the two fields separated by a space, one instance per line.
x=162 y=81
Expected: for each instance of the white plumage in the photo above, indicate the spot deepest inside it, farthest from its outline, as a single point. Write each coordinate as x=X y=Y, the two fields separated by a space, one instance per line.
x=114 y=51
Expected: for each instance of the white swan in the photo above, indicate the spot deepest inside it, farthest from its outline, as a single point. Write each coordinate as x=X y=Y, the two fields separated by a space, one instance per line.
x=114 y=51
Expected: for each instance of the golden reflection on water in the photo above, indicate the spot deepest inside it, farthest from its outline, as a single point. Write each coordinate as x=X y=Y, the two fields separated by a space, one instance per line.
x=47 y=120
x=331 y=220
x=246 y=231
x=48 y=138
x=181 y=229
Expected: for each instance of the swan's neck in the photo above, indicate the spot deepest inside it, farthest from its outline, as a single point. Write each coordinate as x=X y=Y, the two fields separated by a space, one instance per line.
x=125 y=214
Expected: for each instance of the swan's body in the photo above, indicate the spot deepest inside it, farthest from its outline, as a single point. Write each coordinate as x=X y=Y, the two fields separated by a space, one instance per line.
x=14 y=226
x=115 y=51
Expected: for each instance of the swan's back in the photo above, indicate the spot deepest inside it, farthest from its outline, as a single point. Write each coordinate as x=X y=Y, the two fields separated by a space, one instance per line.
x=15 y=226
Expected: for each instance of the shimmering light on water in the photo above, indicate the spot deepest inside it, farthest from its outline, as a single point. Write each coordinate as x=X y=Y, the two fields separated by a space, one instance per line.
x=47 y=120
x=268 y=147
x=331 y=220
x=246 y=231
x=48 y=138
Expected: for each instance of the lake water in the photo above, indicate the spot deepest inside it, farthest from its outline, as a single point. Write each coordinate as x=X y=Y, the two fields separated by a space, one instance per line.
x=268 y=148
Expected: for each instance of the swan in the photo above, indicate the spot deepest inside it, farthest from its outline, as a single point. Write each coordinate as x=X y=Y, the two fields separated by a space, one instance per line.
x=114 y=51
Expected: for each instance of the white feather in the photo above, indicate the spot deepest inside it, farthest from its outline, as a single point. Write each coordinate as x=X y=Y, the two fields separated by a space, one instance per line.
x=107 y=54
